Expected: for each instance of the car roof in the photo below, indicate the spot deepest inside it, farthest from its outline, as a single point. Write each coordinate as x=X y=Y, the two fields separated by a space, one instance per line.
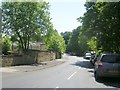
x=87 y=53
x=109 y=54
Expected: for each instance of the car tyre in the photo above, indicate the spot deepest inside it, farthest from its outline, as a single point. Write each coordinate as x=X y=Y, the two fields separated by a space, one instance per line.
x=97 y=78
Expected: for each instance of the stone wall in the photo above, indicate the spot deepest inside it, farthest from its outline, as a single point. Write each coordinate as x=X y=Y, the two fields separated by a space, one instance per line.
x=45 y=56
x=33 y=56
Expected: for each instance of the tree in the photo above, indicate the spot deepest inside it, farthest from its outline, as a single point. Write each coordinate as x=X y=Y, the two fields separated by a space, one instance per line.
x=102 y=21
x=25 y=21
x=6 y=45
x=92 y=43
x=77 y=42
x=56 y=42
x=82 y=42
x=66 y=35
x=73 y=45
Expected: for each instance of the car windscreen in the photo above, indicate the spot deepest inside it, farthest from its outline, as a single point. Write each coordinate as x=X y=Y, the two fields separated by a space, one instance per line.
x=111 y=58
x=88 y=54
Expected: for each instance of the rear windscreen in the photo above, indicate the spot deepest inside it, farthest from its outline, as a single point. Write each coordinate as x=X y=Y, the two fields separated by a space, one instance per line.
x=88 y=54
x=111 y=58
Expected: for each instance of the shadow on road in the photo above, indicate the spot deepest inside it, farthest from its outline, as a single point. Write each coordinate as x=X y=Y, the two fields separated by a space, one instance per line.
x=84 y=64
x=114 y=82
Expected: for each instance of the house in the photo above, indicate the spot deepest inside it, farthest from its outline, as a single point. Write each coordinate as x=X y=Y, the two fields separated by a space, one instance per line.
x=37 y=46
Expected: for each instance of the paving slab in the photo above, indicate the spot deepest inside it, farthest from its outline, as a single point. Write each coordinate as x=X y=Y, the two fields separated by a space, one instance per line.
x=33 y=67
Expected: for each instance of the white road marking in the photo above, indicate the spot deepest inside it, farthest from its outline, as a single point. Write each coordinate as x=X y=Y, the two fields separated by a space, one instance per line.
x=71 y=75
x=57 y=87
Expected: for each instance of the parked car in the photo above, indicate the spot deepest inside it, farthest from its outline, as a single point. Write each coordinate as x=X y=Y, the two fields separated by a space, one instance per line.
x=87 y=56
x=107 y=65
x=93 y=59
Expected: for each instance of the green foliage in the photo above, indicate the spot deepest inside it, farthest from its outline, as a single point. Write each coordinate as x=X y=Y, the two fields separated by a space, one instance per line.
x=76 y=41
x=25 y=21
x=73 y=42
x=82 y=41
x=66 y=35
x=102 y=20
x=6 y=45
x=56 y=42
x=92 y=43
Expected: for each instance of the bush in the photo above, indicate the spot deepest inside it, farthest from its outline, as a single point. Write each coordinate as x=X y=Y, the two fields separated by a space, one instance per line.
x=6 y=46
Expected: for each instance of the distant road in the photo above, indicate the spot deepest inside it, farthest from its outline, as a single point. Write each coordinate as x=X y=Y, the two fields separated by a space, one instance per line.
x=76 y=72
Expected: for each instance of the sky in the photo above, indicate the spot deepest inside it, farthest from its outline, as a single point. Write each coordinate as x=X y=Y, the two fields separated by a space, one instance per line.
x=64 y=14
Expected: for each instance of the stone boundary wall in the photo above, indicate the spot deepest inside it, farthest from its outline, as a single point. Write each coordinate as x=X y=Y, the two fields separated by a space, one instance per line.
x=31 y=57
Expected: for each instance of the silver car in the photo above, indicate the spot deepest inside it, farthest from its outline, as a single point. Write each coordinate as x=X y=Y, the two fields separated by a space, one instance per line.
x=93 y=59
x=107 y=65
x=87 y=56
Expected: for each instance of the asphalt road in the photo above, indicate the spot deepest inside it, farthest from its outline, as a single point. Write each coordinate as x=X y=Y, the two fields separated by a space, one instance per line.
x=76 y=72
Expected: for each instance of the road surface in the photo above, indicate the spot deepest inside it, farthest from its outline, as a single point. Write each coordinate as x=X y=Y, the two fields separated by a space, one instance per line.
x=76 y=72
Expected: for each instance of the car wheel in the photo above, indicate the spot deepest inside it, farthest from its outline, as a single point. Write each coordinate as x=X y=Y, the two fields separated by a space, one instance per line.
x=97 y=78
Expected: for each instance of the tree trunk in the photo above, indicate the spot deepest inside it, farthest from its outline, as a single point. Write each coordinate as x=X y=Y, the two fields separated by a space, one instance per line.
x=21 y=41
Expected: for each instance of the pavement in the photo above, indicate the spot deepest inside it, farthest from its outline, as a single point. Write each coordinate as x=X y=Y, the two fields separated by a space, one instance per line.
x=33 y=67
